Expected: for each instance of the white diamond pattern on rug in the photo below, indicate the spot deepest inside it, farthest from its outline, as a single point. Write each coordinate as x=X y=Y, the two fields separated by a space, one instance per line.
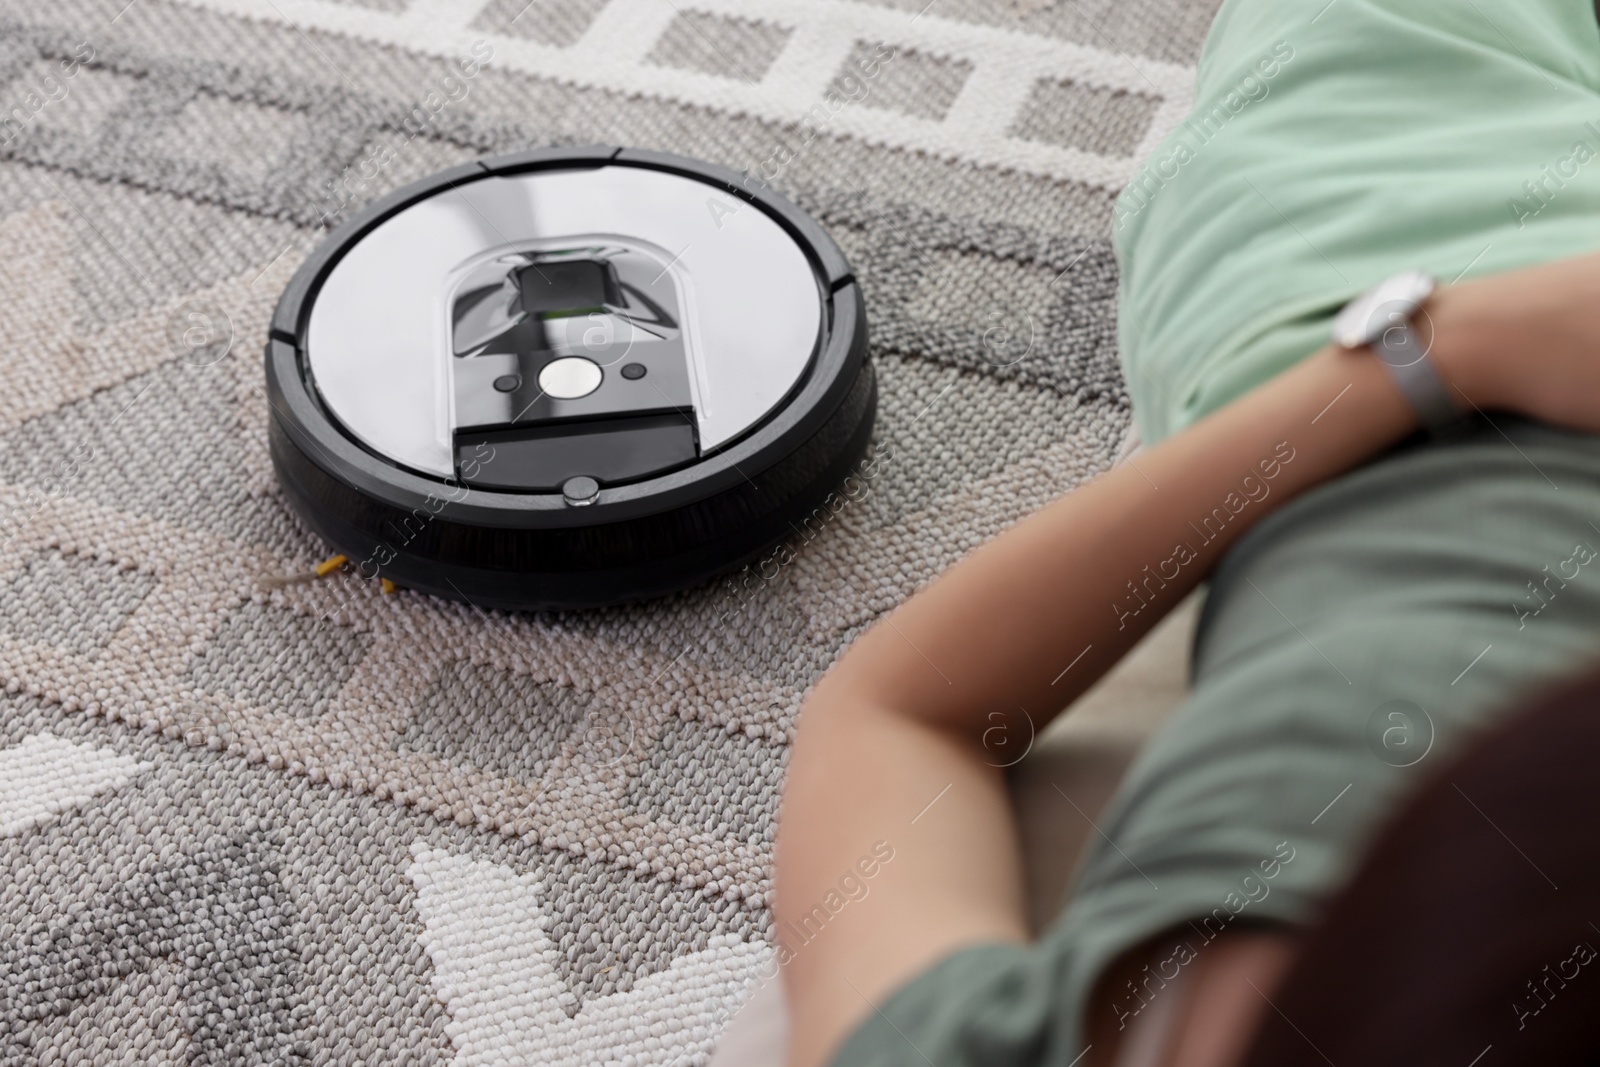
x=495 y=969
x=983 y=77
x=249 y=139
x=45 y=776
x=76 y=103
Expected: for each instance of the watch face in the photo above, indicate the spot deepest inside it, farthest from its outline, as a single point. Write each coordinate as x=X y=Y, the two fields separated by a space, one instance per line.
x=1386 y=304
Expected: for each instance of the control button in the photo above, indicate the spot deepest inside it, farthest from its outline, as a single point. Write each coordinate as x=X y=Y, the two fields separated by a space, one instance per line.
x=580 y=491
x=507 y=383
x=570 y=377
x=633 y=371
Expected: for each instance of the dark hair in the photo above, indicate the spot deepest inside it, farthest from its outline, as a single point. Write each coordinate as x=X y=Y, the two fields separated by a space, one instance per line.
x=1468 y=933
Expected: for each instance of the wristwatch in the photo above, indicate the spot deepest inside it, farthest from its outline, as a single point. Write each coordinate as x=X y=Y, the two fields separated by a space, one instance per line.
x=1381 y=319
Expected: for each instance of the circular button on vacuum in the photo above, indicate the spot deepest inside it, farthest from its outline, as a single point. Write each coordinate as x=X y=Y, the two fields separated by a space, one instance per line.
x=580 y=490
x=570 y=377
x=633 y=371
x=507 y=383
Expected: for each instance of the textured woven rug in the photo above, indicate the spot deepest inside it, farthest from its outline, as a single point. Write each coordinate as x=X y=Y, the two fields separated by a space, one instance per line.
x=248 y=822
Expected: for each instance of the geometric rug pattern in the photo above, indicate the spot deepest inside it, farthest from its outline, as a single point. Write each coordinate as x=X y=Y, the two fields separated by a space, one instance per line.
x=244 y=820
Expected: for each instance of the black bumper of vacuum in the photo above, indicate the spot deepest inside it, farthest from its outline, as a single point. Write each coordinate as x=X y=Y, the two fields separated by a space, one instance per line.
x=582 y=566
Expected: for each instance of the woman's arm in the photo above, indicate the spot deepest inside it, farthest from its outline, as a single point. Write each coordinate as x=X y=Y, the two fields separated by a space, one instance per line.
x=889 y=755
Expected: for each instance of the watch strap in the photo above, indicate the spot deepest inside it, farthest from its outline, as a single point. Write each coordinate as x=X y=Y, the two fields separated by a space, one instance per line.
x=1402 y=353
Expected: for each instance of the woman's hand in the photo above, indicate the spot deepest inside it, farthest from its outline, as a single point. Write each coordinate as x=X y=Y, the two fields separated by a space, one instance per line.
x=1526 y=341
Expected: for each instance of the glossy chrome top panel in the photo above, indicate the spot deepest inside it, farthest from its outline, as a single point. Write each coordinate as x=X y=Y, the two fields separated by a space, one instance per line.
x=379 y=340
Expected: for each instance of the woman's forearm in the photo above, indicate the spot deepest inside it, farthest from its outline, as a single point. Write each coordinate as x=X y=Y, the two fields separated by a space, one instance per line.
x=890 y=750
x=1092 y=572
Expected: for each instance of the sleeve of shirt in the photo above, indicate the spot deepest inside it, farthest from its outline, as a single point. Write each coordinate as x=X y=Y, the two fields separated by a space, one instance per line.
x=988 y=1005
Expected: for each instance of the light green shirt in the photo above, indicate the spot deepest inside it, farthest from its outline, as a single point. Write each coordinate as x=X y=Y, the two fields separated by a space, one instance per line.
x=1322 y=157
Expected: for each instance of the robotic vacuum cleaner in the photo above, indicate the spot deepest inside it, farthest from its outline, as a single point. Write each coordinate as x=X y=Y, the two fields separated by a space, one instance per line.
x=568 y=378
